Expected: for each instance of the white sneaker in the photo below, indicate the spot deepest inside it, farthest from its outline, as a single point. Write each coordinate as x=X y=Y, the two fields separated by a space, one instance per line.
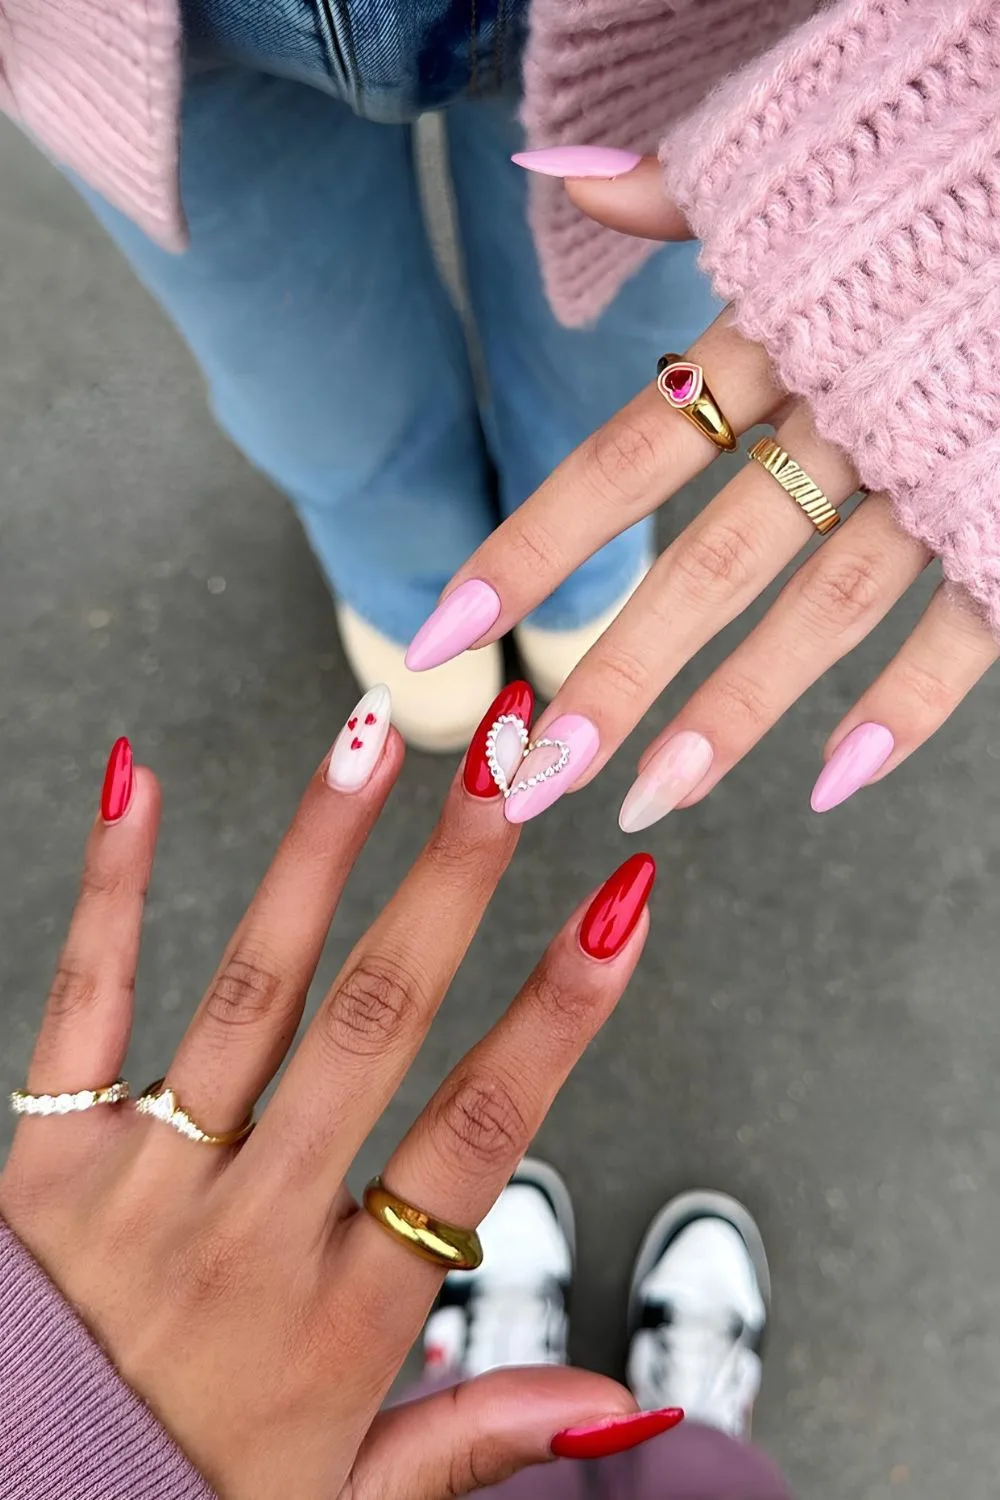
x=549 y=656
x=698 y=1310
x=513 y=1310
x=438 y=710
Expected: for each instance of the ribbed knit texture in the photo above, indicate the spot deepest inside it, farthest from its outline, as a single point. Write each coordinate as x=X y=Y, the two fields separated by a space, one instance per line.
x=70 y=1429
x=97 y=82
x=847 y=191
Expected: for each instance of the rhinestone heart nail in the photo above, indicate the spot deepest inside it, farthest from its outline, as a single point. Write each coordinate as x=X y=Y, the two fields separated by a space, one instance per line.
x=527 y=746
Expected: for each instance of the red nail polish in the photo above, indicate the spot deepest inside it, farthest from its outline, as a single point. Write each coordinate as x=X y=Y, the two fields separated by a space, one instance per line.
x=516 y=698
x=618 y=905
x=116 y=793
x=615 y=1434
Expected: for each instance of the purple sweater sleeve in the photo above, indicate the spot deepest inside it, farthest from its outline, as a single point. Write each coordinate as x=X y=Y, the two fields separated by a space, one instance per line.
x=70 y=1428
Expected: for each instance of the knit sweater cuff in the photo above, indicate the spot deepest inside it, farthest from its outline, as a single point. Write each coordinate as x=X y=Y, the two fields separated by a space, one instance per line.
x=69 y=1426
x=846 y=188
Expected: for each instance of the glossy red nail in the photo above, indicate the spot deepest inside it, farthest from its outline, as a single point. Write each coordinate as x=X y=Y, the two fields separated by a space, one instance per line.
x=116 y=793
x=516 y=698
x=614 y=1434
x=618 y=905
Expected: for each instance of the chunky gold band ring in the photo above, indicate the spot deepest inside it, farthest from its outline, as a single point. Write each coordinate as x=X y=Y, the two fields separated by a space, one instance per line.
x=796 y=482
x=161 y=1103
x=432 y=1239
x=23 y=1103
x=683 y=386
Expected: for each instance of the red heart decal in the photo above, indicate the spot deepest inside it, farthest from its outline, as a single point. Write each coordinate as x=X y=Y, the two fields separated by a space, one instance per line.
x=681 y=383
x=356 y=744
x=352 y=723
x=370 y=718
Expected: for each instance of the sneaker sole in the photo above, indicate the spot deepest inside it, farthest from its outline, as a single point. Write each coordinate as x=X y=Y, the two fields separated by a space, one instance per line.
x=684 y=1210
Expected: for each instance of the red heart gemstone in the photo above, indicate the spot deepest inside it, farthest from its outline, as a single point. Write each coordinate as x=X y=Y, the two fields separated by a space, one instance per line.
x=356 y=744
x=681 y=382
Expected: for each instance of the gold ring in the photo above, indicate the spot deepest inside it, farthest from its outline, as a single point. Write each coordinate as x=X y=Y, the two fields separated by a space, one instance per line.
x=432 y=1239
x=23 y=1103
x=796 y=482
x=161 y=1103
x=683 y=386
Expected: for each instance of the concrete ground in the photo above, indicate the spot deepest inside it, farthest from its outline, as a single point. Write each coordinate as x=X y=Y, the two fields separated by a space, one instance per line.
x=815 y=1024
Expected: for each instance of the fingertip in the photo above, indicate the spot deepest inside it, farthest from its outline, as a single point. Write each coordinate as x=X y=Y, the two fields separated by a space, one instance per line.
x=635 y=203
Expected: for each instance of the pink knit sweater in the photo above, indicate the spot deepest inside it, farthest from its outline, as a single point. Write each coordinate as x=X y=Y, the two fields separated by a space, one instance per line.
x=845 y=185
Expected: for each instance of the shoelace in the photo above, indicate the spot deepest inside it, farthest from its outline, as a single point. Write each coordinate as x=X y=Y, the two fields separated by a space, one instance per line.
x=515 y=1325
x=707 y=1368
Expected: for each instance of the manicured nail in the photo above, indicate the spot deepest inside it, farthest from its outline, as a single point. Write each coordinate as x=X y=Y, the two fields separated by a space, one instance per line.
x=515 y=701
x=119 y=781
x=614 y=1434
x=578 y=161
x=359 y=744
x=612 y=915
x=674 y=771
x=852 y=765
x=558 y=758
x=456 y=624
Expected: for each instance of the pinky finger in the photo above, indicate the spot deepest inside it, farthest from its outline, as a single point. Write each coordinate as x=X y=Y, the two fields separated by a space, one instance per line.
x=940 y=663
x=88 y=1017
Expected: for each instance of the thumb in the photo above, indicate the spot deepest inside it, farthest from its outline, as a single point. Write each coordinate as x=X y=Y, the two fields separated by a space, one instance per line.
x=617 y=188
x=477 y=1434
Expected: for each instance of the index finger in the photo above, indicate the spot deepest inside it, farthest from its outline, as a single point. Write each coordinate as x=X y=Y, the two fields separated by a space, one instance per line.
x=621 y=474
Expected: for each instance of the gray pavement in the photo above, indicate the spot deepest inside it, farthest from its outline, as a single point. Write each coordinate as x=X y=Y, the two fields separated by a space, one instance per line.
x=815 y=1024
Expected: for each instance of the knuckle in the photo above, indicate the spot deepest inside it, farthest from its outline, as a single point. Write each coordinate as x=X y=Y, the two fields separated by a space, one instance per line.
x=933 y=696
x=623 y=456
x=837 y=594
x=535 y=553
x=101 y=882
x=244 y=992
x=457 y=853
x=716 y=562
x=371 y=1008
x=207 y=1270
x=482 y=1120
x=74 y=992
x=565 y=1008
x=624 y=677
x=741 y=703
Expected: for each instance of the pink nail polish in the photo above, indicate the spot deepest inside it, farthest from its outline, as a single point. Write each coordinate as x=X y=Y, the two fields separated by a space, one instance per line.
x=578 y=161
x=852 y=765
x=672 y=774
x=456 y=624
x=557 y=759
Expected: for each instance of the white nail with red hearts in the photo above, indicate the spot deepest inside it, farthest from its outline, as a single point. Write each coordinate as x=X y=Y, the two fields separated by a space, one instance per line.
x=359 y=744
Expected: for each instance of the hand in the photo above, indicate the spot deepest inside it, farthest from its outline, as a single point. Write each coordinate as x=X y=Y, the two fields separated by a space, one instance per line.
x=717 y=567
x=240 y=1291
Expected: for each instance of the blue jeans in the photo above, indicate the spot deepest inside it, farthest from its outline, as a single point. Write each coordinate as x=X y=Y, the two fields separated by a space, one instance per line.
x=332 y=353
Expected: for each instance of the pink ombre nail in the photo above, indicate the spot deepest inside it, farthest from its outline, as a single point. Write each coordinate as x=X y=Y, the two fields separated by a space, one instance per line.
x=456 y=624
x=578 y=161
x=557 y=759
x=852 y=765
x=672 y=774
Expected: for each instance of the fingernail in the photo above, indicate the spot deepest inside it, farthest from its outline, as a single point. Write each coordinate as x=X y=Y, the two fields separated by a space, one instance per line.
x=359 y=744
x=614 y=1434
x=119 y=781
x=456 y=624
x=674 y=772
x=852 y=765
x=612 y=915
x=557 y=759
x=517 y=701
x=578 y=161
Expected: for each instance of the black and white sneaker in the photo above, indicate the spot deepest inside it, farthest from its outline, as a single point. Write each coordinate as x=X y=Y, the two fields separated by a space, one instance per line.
x=698 y=1311
x=513 y=1310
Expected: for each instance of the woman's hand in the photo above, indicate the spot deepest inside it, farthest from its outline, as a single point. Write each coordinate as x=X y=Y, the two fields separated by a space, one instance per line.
x=718 y=566
x=240 y=1291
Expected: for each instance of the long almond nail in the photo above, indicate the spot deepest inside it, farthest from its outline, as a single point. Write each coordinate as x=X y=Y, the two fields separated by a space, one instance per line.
x=456 y=624
x=852 y=765
x=611 y=917
x=557 y=760
x=672 y=774
x=516 y=701
x=119 y=782
x=614 y=1434
x=359 y=744
x=578 y=161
